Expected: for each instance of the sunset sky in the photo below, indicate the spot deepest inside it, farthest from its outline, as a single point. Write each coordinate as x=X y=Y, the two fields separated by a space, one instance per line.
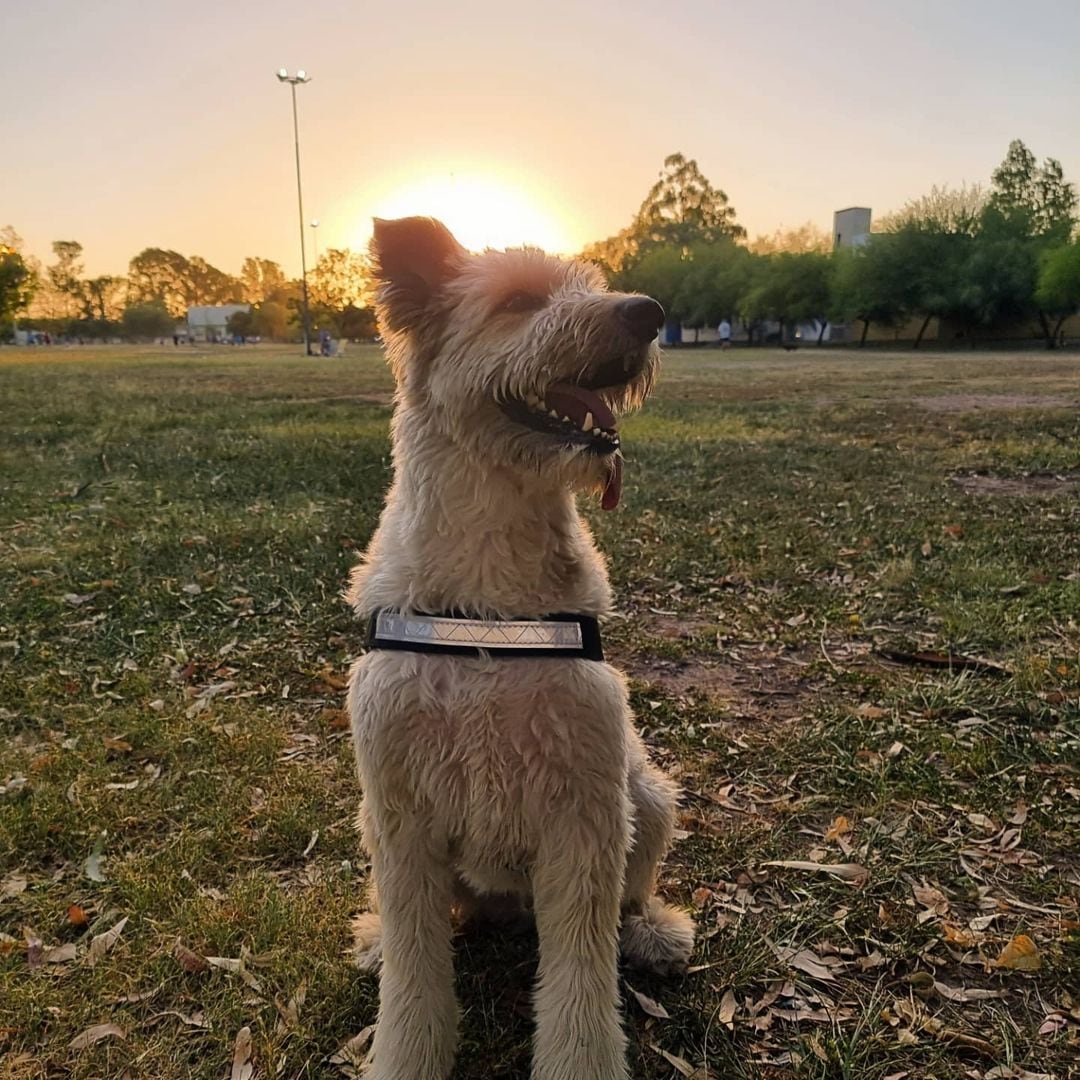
x=130 y=124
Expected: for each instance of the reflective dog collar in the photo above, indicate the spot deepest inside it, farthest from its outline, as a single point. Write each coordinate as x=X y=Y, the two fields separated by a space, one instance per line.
x=553 y=636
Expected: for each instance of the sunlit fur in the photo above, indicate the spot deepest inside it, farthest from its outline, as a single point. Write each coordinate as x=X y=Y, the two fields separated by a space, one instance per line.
x=491 y=777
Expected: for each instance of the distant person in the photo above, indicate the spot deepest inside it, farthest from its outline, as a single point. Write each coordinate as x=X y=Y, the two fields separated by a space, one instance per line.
x=724 y=330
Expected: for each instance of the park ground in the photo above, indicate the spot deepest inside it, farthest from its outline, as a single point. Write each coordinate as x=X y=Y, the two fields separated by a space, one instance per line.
x=848 y=600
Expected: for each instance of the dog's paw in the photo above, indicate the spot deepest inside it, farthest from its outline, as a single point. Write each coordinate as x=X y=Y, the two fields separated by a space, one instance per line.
x=366 y=951
x=660 y=939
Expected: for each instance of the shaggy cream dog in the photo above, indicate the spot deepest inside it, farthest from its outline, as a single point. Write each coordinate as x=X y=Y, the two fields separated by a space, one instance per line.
x=487 y=776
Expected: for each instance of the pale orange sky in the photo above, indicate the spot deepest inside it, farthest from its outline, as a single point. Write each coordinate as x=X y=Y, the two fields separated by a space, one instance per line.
x=135 y=124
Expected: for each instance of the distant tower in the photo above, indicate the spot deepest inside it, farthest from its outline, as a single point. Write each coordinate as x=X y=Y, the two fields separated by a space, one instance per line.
x=851 y=227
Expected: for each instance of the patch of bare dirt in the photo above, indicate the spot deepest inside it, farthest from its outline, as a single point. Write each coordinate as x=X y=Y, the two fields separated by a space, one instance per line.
x=1033 y=484
x=956 y=403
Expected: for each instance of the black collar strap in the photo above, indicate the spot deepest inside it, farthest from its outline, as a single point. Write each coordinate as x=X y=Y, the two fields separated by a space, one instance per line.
x=455 y=634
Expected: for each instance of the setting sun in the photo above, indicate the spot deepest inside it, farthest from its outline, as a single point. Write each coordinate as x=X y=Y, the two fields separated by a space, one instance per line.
x=480 y=211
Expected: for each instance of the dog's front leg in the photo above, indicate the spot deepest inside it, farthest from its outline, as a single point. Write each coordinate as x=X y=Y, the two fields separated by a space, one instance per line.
x=416 y=1036
x=577 y=882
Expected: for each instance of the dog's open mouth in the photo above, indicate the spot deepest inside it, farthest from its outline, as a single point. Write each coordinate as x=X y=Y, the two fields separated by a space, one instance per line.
x=576 y=416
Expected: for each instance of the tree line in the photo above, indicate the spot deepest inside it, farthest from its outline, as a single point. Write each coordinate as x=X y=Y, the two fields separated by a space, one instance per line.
x=161 y=284
x=975 y=259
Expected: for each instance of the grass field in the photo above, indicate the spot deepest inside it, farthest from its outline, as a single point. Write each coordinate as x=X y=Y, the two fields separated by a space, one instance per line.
x=882 y=855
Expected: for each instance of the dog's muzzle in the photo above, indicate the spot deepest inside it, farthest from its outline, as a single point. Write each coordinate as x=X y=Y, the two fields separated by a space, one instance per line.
x=573 y=636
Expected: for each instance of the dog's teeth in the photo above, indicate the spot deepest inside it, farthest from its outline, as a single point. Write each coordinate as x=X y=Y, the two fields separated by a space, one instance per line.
x=597 y=431
x=587 y=423
x=567 y=420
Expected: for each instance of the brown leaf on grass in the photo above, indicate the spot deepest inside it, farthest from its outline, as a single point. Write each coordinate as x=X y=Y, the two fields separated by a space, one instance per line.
x=728 y=1006
x=1020 y=954
x=950 y=661
x=1014 y=1072
x=59 y=954
x=839 y=827
x=190 y=961
x=114 y=742
x=76 y=915
x=851 y=872
x=963 y=994
x=807 y=962
x=13 y=885
x=959 y=936
x=680 y=1065
x=701 y=897
x=95 y=1034
x=290 y=1012
x=932 y=899
x=954 y=531
x=648 y=1005
x=102 y=943
x=242 y=1068
x=351 y=1055
x=871 y=712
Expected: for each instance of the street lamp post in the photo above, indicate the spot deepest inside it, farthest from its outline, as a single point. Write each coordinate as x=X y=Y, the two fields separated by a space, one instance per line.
x=300 y=77
x=315 y=238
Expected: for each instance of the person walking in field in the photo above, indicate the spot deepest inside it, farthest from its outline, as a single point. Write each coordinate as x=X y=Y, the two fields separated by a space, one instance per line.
x=724 y=330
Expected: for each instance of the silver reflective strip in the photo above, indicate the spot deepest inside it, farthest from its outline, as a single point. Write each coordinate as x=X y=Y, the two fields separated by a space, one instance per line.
x=433 y=630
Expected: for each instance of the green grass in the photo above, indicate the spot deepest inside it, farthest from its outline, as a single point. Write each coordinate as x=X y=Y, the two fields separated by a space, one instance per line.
x=172 y=521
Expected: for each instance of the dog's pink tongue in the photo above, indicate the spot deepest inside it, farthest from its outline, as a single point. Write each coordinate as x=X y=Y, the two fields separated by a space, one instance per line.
x=613 y=487
x=575 y=401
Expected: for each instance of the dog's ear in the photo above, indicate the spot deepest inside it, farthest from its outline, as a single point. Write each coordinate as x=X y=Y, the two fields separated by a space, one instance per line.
x=411 y=259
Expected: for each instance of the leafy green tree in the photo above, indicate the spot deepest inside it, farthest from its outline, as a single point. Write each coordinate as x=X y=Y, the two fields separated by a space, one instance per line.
x=659 y=273
x=1036 y=198
x=716 y=279
x=207 y=285
x=806 y=239
x=150 y=319
x=866 y=285
x=17 y=283
x=65 y=279
x=948 y=210
x=790 y=288
x=104 y=297
x=273 y=320
x=241 y=323
x=1058 y=290
x=339 y=285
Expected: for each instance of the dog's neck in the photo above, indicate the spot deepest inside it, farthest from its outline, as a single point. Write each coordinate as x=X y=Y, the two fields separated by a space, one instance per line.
x=457 y=534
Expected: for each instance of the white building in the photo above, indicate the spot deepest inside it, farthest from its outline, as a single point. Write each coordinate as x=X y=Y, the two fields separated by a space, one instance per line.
x=851 y=227
x=211 y=323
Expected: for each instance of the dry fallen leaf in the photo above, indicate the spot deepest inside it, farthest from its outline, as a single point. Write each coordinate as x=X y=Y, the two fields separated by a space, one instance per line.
x=102 y=943
x=1021 y=954
x=680 y=1065
x=806 y=961
x=852 y=872
x=840 y=827
x=95 y=1034
x=190 y=961
x=958 y=935
x=648 y=1005
x=964 y=995
x=726 y=1013
x=352 y=1053
x=76 y=915
x=242 y=1068
x=59 y=954
x=12 y=886
x=935 y=902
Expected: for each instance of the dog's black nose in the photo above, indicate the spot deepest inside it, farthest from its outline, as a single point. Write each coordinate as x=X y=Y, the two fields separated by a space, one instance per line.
x=643 y=316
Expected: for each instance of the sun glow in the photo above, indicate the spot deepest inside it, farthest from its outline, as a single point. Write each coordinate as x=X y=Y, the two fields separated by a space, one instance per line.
x=480 y=212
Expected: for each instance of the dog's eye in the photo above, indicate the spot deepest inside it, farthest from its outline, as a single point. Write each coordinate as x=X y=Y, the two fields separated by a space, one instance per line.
x=519 y=302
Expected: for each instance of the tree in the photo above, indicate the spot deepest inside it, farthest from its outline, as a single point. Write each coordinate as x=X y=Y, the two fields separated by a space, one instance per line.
x=1058 y=290
x=272 y=320
x=681 y=209
x=791 y=288
x=339 y=285
x=17 y=282
x=805 y=239
x=715 y=282
x=148 y=320
x=660 y=273
x=260 y=279
x=161 y=276
x=862 y=286
x=949 y=210
x=207 y=285
x=241 y=324
x=104 y=297
x=1036 y=198
x=65 y=280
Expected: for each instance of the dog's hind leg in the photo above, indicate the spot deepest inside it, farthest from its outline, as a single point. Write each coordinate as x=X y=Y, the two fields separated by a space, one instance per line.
x=655 y=935
x=576 y=880
x=416 y=1035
